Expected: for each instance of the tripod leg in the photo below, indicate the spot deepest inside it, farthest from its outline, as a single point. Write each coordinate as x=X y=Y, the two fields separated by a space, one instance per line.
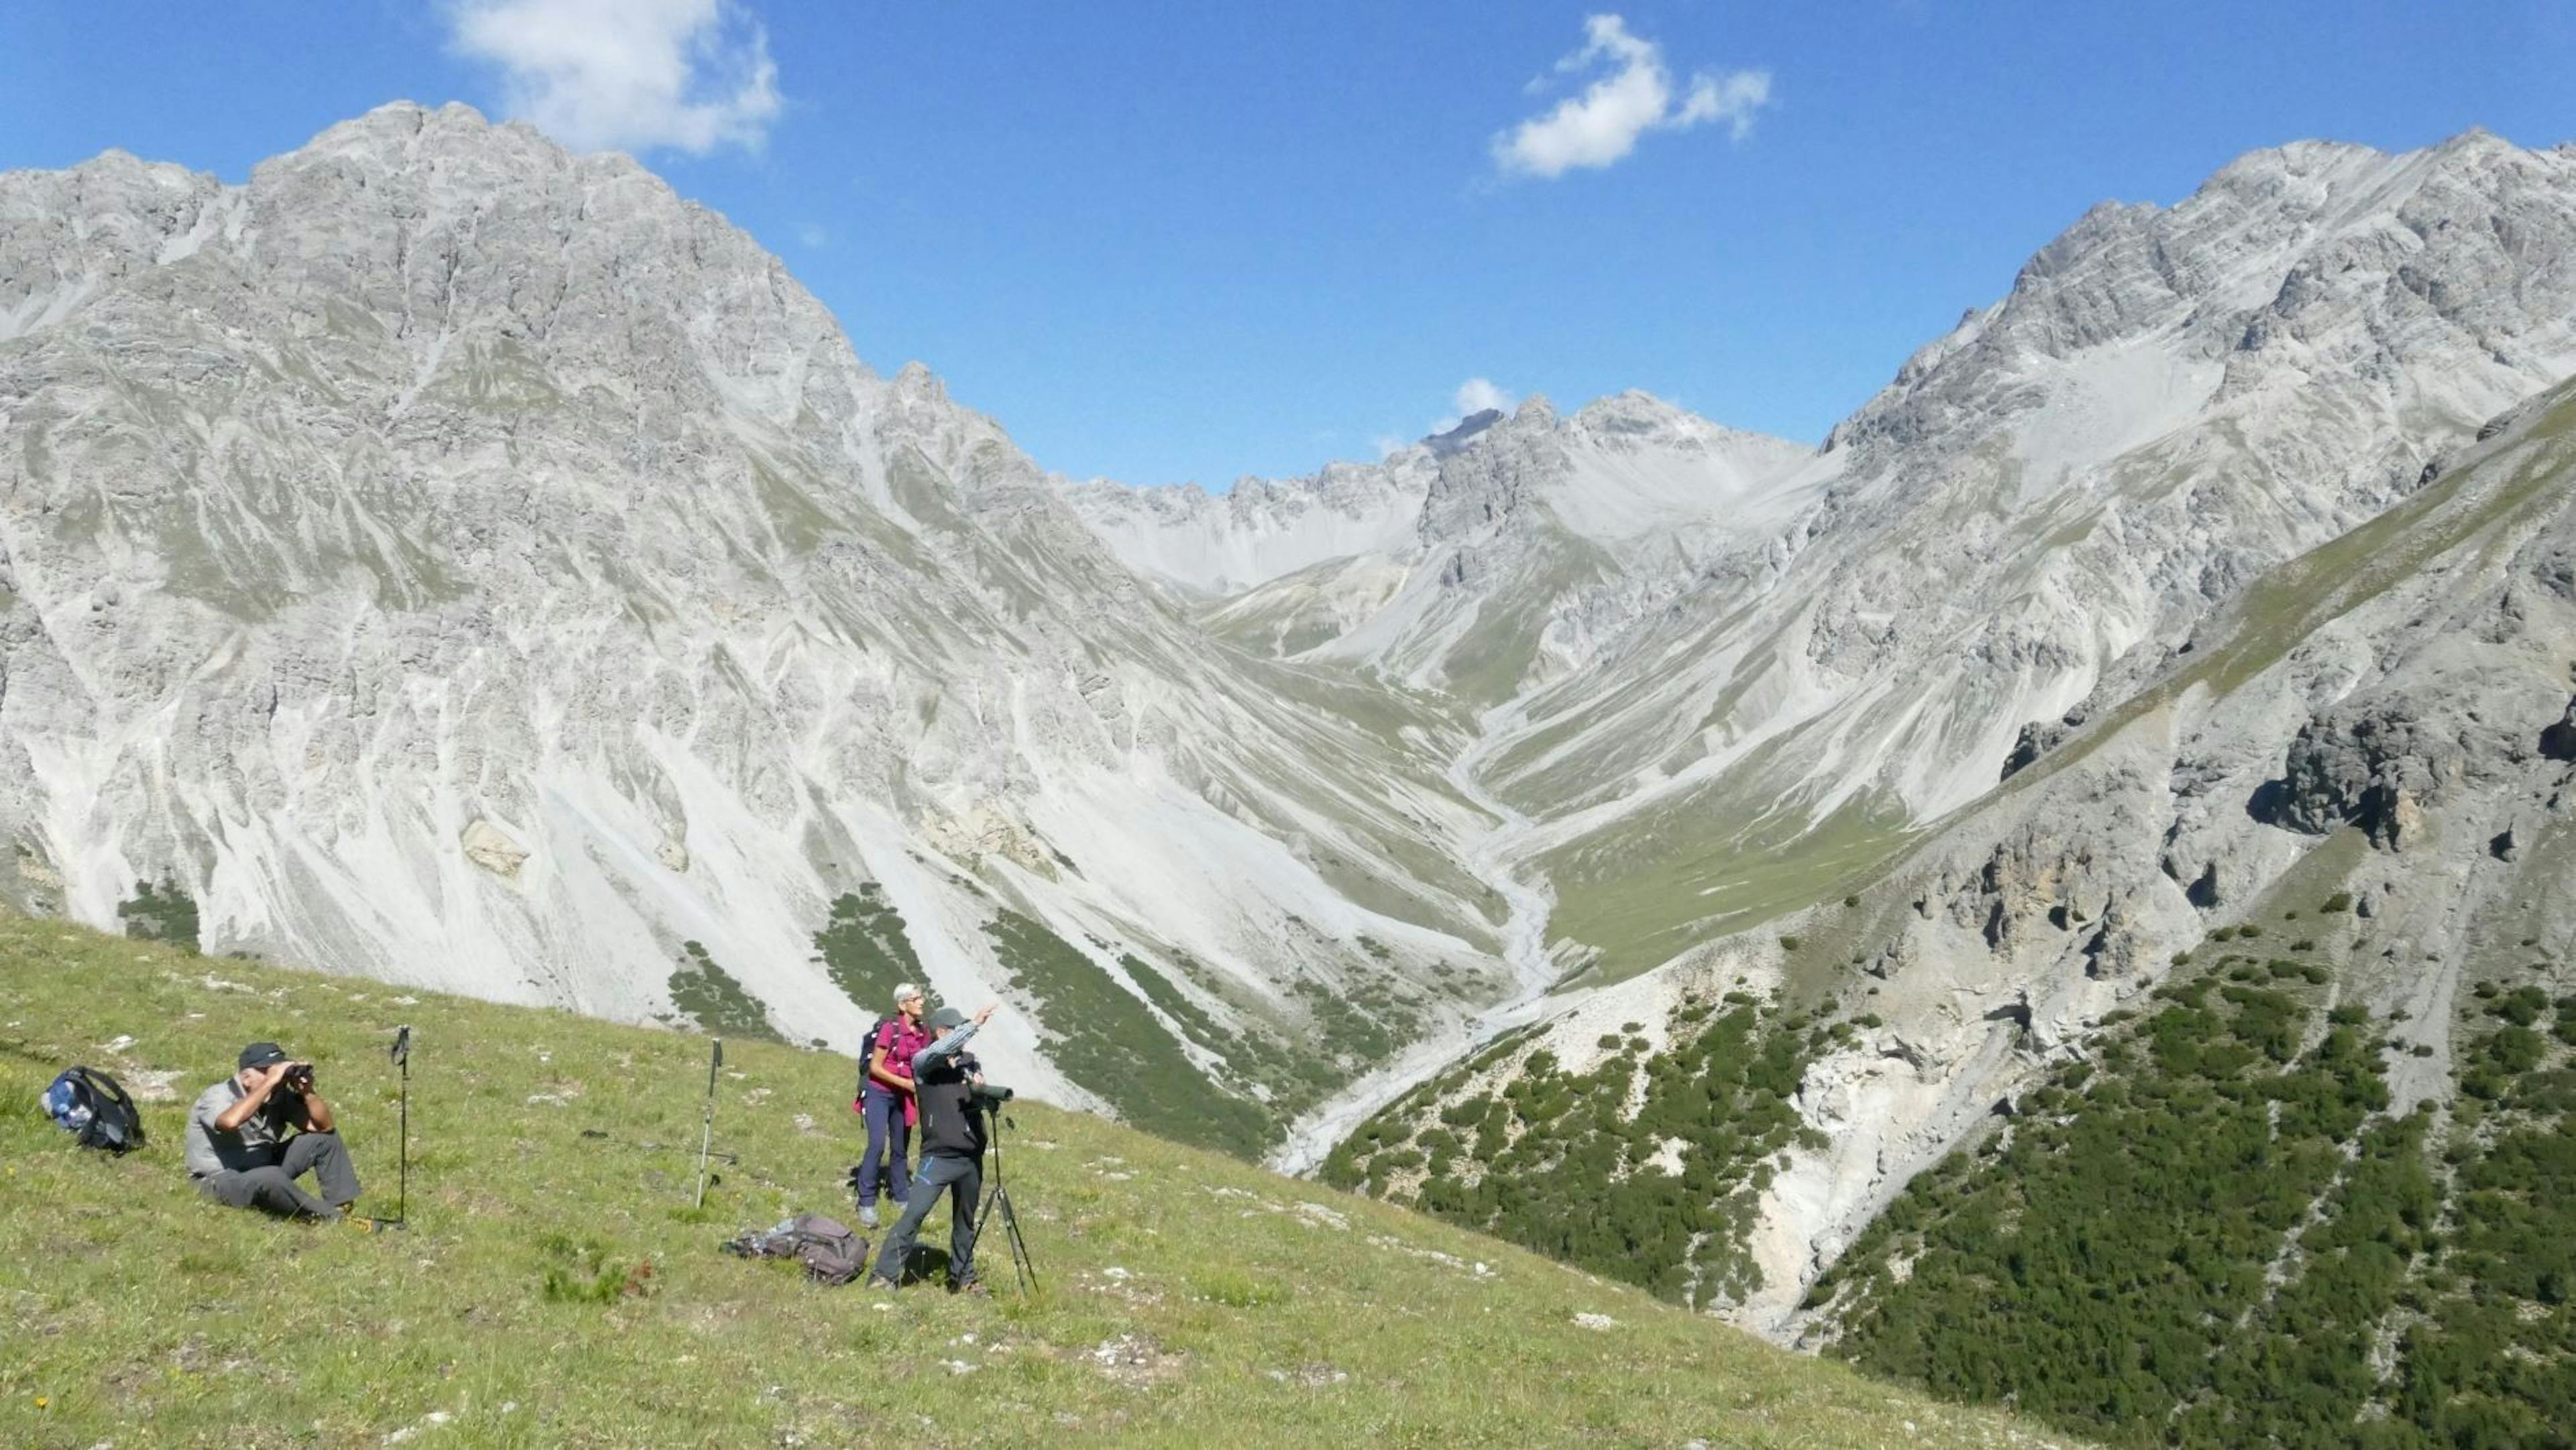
x=984 y=1214
x=1020 y=1261
x=1024 y=1272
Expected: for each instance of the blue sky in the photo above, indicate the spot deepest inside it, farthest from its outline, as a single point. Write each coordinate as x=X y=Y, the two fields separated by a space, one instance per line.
x=1192 y=241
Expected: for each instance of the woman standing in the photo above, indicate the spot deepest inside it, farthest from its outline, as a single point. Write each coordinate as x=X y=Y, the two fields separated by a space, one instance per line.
x=886 y=1102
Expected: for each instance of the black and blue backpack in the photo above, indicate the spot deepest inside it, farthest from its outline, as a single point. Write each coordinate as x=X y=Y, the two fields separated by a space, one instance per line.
x=93 y=1107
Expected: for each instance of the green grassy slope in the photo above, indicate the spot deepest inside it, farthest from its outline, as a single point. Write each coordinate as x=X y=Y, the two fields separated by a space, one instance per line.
x=1189 y=1299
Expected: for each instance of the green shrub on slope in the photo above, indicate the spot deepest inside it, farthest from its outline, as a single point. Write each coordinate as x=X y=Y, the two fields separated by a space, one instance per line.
x=2220 y=1237
x=1664 y=1198
x=708 y=997
x=865 y=949
x=1105 y=1040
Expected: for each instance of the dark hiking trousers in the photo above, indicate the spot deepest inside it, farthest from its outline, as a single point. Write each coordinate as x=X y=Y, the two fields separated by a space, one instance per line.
x=889 y=1143
x=964 y=1180
x=273 y=1189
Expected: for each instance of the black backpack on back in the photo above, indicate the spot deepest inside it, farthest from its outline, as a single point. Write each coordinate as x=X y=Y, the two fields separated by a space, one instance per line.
x=94 y=1108
x=867 y=1050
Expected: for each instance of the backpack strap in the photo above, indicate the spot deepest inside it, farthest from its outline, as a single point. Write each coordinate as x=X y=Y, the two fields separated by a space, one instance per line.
x=868 y=1046
x=114 y=1120
x=115 y=1090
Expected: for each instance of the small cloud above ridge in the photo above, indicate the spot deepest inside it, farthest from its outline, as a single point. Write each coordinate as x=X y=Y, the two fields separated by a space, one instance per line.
x=1477 y=395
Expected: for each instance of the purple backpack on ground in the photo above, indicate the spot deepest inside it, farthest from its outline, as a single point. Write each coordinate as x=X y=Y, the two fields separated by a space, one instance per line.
x=829 y=1250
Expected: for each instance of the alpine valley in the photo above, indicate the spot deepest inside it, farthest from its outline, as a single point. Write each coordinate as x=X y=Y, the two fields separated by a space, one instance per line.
x=2059 y=893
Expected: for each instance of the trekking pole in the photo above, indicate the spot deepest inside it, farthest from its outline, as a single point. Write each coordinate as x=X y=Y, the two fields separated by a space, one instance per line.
x=402 y=1151
x=707 y=1137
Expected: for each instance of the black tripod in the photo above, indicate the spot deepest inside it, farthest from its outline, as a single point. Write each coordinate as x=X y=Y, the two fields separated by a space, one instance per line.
x=998 y=1198
x=401 y=1055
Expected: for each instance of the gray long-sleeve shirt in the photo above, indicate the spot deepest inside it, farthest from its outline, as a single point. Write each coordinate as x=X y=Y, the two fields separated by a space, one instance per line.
x=948 y=1046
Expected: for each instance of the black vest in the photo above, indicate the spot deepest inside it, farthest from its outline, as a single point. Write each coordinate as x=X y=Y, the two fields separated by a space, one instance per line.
x=951 y=1125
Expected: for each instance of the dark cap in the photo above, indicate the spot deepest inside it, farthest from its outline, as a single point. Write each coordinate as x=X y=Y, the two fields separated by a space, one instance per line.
x=262 y=1054
x=945 y=1017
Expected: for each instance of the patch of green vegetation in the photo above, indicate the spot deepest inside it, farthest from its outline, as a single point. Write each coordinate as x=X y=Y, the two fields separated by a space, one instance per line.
x=2217 y=1235
x=1665 y=1199
x=708 y=997
x=1295 y=1080
x=1106 y=1041
x=1237 y=1290
x=585 y=1269
x=921 y=489
x=1491 y=659
x=864 y=948
x=1655 y=885
x=802 y=523
x=141 y=1314
x=2094 y=1262
x=162 y=913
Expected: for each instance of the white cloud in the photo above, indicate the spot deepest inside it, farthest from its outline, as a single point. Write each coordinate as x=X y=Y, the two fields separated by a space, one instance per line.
x=1635 y=96
x=1478 y=394
x=629 y=75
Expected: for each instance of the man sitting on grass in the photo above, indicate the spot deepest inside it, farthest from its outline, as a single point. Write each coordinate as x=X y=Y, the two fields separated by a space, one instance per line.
x=239 y=1151
x=952 y=1150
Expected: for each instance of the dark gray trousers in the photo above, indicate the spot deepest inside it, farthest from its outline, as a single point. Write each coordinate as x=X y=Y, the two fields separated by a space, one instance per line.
x=273 y=1189
x=963 y=1178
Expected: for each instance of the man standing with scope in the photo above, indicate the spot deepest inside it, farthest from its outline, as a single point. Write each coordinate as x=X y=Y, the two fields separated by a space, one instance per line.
x=238 y=1149
x=948 y=1083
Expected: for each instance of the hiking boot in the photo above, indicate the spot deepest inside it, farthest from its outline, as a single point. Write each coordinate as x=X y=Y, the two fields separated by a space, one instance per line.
x=973 y=1288
x=867 y=1215
x=880 y=1281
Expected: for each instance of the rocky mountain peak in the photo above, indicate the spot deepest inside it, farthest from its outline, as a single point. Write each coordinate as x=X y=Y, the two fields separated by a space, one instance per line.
x=1445 y=443
x=2454 y=255
x=516 y=563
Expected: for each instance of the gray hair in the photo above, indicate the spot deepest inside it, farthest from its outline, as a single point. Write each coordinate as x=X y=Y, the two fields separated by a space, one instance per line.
x=905 y=993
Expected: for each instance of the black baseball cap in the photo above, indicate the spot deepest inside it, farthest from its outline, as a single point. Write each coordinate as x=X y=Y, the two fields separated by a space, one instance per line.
x=945 y=1017
x=262 y=1054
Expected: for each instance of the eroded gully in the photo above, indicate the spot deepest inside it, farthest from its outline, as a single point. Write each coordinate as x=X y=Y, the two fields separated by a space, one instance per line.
x=1489 y=859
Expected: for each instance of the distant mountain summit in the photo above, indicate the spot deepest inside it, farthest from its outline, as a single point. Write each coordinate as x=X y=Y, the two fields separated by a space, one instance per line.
x=1475 y=562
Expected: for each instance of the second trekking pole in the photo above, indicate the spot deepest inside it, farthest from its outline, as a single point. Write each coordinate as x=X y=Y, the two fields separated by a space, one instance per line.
x=401 y=1053
x=707 y=1138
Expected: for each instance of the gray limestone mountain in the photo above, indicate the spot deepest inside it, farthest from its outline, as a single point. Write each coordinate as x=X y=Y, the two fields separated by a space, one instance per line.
x=2212 y=588
x=460 y=562
x=468 y=564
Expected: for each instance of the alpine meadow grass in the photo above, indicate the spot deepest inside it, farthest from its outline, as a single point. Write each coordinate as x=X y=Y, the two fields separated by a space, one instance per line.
x=554 y=1286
